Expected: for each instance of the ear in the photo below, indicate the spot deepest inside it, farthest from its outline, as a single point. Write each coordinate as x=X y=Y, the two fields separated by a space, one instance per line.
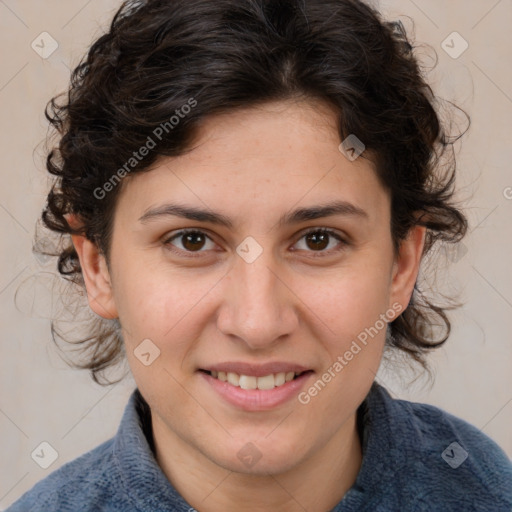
x=406 y=266
x=95 y=272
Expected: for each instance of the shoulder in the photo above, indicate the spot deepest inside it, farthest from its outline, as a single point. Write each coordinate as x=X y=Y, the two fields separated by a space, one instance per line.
x=84 y=482
x=448 y=461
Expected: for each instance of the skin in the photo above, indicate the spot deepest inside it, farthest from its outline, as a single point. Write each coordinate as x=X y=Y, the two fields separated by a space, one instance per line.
x=287 y=305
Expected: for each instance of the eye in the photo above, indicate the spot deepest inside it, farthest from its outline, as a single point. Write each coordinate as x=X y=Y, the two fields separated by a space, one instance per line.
x=191 y=240
x=318 y=239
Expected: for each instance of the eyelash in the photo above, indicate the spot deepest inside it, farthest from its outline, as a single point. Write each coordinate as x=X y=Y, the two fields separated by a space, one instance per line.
x=195 y=254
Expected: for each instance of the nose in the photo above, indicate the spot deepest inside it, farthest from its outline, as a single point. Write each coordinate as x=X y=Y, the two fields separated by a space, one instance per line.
x=258 y=306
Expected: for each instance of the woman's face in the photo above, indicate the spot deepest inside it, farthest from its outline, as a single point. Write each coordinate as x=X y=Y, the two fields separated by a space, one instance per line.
x=250 y=292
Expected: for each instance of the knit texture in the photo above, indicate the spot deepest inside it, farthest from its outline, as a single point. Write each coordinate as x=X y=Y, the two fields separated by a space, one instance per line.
x=402 y=469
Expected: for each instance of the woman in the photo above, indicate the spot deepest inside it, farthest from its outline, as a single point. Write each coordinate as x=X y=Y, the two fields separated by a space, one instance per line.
x=250 y=187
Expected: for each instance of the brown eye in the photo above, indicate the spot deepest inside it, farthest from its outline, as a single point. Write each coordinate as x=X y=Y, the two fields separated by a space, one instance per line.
x=193 y=241
x=190 y=241
x=317 y=240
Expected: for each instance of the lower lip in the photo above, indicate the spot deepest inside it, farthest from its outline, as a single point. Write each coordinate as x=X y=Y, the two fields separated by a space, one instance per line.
x=257 y=399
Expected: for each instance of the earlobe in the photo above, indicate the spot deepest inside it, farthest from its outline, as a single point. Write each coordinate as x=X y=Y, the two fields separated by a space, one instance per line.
x=406 y=266
x=96 y=276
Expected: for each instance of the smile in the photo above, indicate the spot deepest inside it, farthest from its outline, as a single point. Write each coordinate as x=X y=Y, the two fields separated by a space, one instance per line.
x=256 y=393
x=270 y=381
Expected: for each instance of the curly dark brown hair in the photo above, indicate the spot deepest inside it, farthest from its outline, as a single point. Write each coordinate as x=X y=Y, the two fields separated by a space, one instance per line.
x=232 y=54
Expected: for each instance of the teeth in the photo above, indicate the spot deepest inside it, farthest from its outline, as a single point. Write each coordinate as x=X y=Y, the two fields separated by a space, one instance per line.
x=279 y=379
x=233 y=378
x=250 y=382
x=266 y=382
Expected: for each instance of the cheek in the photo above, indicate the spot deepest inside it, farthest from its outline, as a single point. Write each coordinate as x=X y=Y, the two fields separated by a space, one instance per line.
x=156 y=303
x=353 y=336
x=162 y=303
x=350 y=310
x=352 y=300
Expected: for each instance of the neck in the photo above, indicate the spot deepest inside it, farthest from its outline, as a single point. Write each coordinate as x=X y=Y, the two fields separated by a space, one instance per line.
x=316 y=484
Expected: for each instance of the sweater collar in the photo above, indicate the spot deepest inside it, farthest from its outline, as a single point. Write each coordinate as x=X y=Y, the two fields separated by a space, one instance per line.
x=148 y=487
x=384 y=448
x=143 y=479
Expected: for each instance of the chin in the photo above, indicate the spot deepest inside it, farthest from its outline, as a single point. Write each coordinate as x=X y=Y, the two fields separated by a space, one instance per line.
x=262 y=467
x=257 y=458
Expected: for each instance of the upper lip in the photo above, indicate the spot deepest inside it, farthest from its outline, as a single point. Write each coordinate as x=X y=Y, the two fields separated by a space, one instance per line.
x=256 y=370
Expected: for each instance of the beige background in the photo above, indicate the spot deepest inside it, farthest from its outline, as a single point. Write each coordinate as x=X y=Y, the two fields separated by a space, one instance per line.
x=43 y=400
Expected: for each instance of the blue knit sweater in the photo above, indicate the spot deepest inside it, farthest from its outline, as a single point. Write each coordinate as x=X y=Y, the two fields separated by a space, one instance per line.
x=416 y=457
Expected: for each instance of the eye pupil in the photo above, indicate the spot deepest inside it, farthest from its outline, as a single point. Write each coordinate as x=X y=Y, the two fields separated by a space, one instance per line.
x=191 y=241
x=320 y=240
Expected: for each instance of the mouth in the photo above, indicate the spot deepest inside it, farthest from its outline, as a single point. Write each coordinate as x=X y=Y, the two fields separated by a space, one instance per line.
x=251 y=382
x=255 y=387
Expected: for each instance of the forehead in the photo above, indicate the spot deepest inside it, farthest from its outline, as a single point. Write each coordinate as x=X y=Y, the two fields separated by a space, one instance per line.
x=264 y=158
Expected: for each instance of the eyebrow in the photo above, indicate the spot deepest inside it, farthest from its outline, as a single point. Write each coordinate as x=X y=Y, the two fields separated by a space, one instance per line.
x=293 y=217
